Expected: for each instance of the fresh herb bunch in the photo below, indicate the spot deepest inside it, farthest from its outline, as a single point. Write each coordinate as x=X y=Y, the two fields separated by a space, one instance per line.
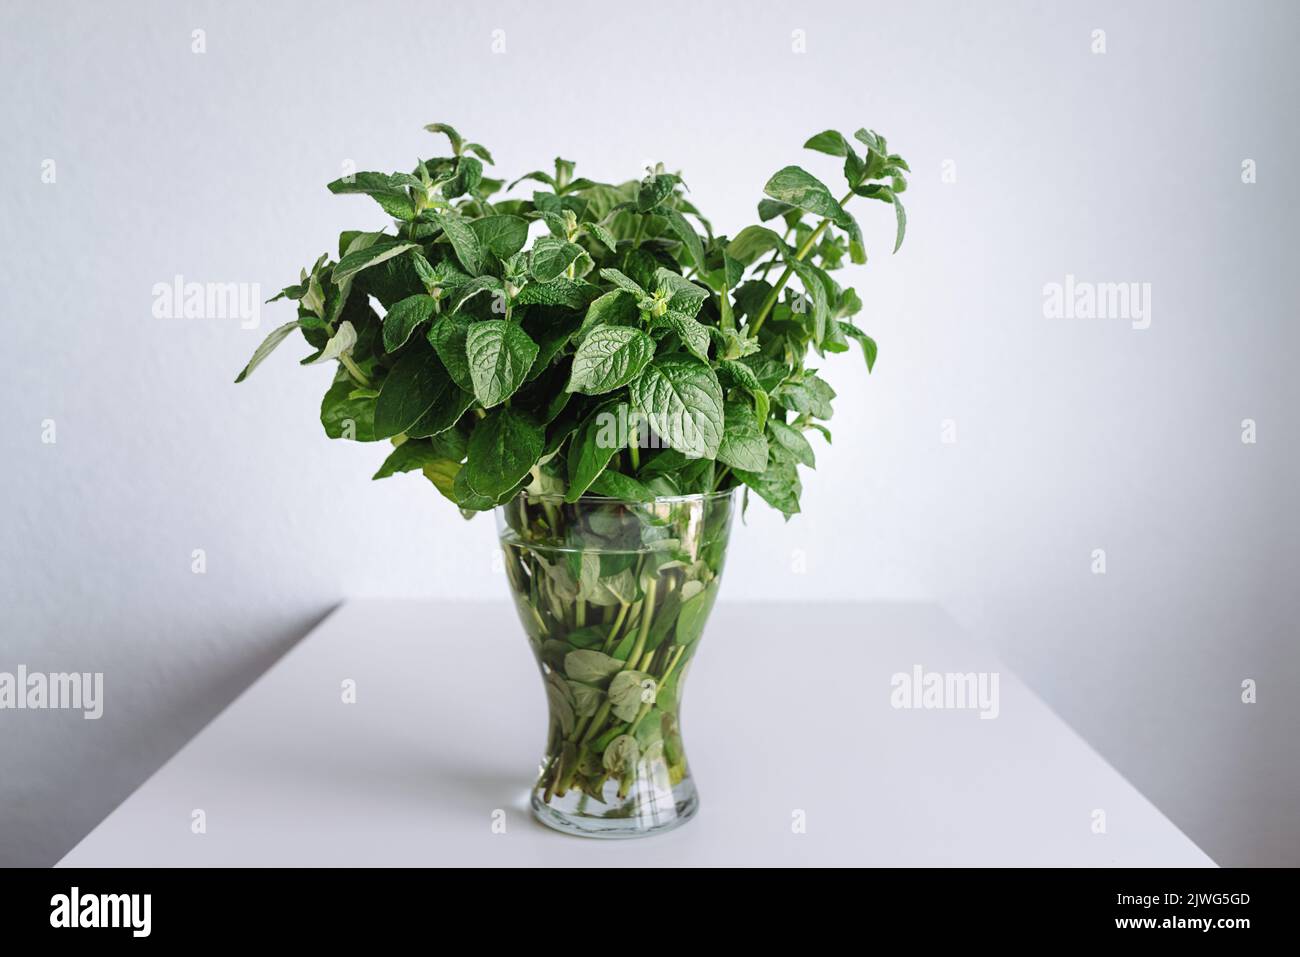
x=497 y=368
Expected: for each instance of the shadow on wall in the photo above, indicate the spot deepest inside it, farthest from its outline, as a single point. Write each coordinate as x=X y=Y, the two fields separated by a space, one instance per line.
x=47 y=810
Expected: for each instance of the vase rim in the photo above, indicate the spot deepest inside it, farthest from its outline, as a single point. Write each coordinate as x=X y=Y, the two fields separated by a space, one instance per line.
x=559 y=498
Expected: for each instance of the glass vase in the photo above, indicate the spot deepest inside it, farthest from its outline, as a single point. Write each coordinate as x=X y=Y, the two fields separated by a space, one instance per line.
x=614 y=597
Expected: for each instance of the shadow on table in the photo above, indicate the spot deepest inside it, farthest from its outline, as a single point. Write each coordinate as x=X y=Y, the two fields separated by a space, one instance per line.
x=58 y=795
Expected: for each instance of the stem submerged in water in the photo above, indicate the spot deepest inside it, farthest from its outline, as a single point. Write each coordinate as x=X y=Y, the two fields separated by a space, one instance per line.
x=612 y=640
x=647 y=614
x=597 y=740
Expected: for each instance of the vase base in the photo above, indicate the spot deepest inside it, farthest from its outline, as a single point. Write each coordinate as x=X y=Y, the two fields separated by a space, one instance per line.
x=634 y=819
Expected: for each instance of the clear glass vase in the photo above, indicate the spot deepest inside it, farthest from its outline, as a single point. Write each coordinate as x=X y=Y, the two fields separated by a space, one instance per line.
x=614 y=597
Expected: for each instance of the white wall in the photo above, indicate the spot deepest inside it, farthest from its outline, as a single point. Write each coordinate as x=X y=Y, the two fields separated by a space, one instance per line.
x=1071 y=435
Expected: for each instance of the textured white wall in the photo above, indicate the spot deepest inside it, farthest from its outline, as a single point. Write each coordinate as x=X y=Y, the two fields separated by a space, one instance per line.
x=1071 y=435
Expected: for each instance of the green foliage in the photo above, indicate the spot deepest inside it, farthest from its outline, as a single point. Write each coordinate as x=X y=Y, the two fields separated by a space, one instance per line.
x=497 y=356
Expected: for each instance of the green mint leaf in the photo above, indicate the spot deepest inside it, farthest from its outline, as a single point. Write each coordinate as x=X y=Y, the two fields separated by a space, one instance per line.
x=404 y=318
x=467 y=291
x=830 y=142
x=266 y=348
x=462 y=239
x=793 y=441
x=609 y=357
x=570 y=293
x=536 y=176
x=586 y=699
x=855 y=169
x=808 y=394
x=552 y=333
x=417 y=392
x=593 y=445
x=486 y=187
x=424 y=269
x=857 y=250
x=779 y=485
x=338 y=292
x=900 y=215
x=457 y=143
x=289 y=292
x=468 y=499
x=388 y=190
x=693 y=335
x=557 y=225
x=753 y=241
x=550 y=257
x=739 y=373
x=743 y=445
x=616 y=308
x=812 y=284
x=865 y=341
x=875 y=191
x=591 y=667
x=771 y=208
x=849 y=304
x=683 y=295
x=835 y=338
x=466 y=178
x=617 y=485
x=623 y=282
x=694 y=613
x=689 y=237
x=628 y=690
x=444 y=274
x=481 y=152
x=559 y=696
x=502 y=449
x=682 y=400
x=654 y=190
x=447 y=336
x=442 y=473
x=443 y=414
x=602 y=236
x=770 y=373
x=339 y=344
x=500 y=355
x=501 y=234
x=621 y=756
x=345 y=417
x=871 y=139
x=418 y=454
x=798 y=187
x=368 y=256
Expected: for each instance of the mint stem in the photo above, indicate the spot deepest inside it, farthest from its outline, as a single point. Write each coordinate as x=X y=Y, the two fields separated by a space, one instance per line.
x=647 y=613
x=597 y=722
x=613 y=632
x=776 y=258
x=770 y=300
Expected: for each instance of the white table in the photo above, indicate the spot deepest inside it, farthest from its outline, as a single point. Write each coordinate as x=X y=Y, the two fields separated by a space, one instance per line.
x=787 y=710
